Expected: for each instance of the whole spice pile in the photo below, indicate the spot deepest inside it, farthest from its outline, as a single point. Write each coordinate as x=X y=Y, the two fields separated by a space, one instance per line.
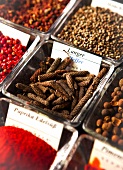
x=58 y=89
x=35 y=14
x=11 y=50
x=20 y=149
x=97 y=30
x=110 y=123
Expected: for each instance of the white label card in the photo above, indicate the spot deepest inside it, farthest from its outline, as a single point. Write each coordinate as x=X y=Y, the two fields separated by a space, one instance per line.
x=108 y=157
x=81 y=60
x=40 y=125
x=14 y=33
x=112 y=5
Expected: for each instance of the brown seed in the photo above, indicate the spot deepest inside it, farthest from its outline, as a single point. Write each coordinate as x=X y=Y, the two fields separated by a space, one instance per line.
x=120 y=103
x=121 y=131
x=105 y=133
x=116 y=98
x=105 y=126
x=121 y=82
x=107 y=118
x=115 y=121
x=98 y=130
x=106 y=105
x=120 y=142
x=99 y=122
x=116 y=89
x=115 y=138
x=118 y=115
x=116 y=130
x=105 y=112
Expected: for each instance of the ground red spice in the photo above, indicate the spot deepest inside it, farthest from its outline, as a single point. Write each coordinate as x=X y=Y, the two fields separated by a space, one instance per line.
x=21 y=150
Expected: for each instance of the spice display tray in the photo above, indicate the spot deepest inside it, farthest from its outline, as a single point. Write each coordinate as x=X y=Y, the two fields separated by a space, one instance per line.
x=99 y=117
x=34 y=39
x=80 y=153
x=82 y=44
x=46 y=10
x=68 y=137
x=23 y=74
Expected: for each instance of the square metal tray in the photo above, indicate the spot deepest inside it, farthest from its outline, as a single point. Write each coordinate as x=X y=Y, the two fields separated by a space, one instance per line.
x=99 y=116
x=81 y=33
x=32 y=43
x=56 y=22
x=29 y=66
x=68 y=137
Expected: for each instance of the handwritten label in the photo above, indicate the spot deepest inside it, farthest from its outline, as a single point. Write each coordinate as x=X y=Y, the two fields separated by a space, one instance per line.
x=112 y=5
x=39 y=124
x=81 y=60
x=14 y=33
x=108 y=156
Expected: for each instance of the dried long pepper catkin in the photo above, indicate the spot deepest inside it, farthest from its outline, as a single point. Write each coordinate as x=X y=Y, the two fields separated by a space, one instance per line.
x=59 y=100
x=64 y=63
x=34 y=77
x=46 y=76
x=65 y=86
x=102 y=73
x=59 y=92
x=37 y=98
x=51 y=97
x=38 y=91
x=41 y=87
x=70 y=82
x=81 y=92
x=54 y=65
x=24 y=87
x=77 y=73
x=61 y=106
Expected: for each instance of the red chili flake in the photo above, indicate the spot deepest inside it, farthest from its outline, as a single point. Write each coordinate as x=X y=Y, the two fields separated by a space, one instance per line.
x=20 y=149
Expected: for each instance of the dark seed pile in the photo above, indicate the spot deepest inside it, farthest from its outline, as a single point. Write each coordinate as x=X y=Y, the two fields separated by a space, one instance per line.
x=110 y=123
x=97 y=30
